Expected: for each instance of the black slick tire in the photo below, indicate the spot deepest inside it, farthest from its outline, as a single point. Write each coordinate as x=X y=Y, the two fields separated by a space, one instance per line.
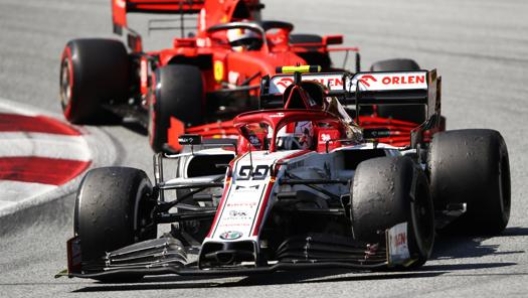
x=387 y=191
x=92 y=72
x=395 y=65
x=472 y=166
x=311 y=56
x=112 y=210
x=412 y=113
x=178 y=93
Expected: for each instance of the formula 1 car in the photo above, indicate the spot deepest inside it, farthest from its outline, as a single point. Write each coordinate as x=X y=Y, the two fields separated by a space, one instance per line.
x=327 y=195
x=210 y=74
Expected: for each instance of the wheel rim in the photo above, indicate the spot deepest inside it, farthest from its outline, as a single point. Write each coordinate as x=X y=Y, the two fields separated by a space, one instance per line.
x=65 y=84
x=142 y=212
x=151 y=128
x=423 y=220
x=504 y=189
x=152 y=112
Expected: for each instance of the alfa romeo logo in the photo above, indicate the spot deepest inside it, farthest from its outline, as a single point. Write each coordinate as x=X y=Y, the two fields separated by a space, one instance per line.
x=230 y=235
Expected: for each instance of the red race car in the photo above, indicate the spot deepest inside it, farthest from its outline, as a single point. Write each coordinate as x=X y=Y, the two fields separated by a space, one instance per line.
x=209 y=74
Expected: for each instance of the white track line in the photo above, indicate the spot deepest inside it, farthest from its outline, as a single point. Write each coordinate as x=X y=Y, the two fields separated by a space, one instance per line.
x=44 y=145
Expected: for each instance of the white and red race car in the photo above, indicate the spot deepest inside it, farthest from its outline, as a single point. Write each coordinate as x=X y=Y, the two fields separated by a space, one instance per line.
x=329 y=195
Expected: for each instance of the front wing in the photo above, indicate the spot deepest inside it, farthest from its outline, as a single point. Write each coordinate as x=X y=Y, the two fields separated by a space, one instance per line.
x=166 y=255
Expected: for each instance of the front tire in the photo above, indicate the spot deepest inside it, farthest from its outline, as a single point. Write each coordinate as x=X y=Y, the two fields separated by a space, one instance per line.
x=387 y=191
x=113 y=210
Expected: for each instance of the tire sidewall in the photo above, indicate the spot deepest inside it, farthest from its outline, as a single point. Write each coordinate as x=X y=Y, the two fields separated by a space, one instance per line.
x=98 y=71
x=66 y=96
x=412 y=113
x=472 y=166
x=178 y=92
x=391 y=190
x=106 y=219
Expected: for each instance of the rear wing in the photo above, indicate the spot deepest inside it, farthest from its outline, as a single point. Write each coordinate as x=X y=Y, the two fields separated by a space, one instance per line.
x=365 y=88
x=219 y=10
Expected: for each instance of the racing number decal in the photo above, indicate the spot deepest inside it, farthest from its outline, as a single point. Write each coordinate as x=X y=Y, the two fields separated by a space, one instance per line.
x=256 y=173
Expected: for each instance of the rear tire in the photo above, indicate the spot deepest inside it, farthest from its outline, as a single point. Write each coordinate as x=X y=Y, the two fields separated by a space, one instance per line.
x=93 y=72
x=312 y=57
x=412 y=113
x=472 y=166
x=112 y=210
x=179 y=93
x=390 y=190
x=395 y=65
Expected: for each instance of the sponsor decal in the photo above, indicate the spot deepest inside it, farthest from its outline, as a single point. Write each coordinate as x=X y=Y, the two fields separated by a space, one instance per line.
x=277 y=115
x=236 y=213
x=333 y=82
x=74 y=256
x=284 y=82
x=366 y=79
x=232 y=77
x=238 y=216
x=189 y=139
x=249 y=188
x=391 y=81
x=403 y=80
x=398 y=245
x=230 y=235
x=232 y=225
x=325 y=137
x=242 y=204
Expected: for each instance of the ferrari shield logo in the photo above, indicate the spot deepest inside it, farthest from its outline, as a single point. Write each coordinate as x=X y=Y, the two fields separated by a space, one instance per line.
x=218 y=70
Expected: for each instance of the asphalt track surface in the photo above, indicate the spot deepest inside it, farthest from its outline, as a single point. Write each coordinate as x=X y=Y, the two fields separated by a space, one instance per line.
x=480 y=49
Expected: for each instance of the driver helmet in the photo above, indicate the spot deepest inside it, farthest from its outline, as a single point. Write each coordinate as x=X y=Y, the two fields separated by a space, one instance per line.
x=243 y=39
x=300 y=138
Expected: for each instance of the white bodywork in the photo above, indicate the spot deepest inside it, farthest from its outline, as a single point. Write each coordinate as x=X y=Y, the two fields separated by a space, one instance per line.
x=247 y=197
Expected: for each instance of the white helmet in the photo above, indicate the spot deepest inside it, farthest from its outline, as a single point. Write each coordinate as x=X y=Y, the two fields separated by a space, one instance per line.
x=244 y=39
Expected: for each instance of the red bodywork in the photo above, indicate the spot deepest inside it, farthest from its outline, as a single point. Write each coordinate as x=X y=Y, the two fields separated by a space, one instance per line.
x=395 y=132
x=222 y=68
x=400 y=131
